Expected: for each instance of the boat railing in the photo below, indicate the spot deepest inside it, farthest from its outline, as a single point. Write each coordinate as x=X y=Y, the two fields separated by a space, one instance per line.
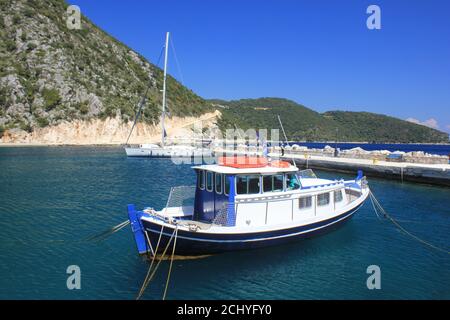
x=364 y=183
x=181 y=196
x=352 y=194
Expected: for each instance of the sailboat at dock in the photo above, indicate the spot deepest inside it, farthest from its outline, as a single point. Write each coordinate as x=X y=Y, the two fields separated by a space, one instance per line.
x=163 y=150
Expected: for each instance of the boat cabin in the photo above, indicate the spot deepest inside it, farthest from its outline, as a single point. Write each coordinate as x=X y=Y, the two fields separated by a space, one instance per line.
x=218 y=185
x=262 y=194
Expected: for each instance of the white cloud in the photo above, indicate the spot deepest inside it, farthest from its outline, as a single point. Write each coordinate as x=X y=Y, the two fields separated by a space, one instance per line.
x=413 y=120
x=431 y=123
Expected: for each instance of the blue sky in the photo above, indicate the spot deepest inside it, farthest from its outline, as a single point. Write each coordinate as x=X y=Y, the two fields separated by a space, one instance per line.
x=318 y=53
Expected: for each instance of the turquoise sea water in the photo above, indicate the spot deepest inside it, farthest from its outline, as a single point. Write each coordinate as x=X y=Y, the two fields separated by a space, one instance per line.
x=52 y=198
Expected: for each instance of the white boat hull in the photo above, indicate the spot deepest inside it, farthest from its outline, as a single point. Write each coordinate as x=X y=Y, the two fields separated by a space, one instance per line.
x=222 y=239
x=166 y=152
x=218 y=238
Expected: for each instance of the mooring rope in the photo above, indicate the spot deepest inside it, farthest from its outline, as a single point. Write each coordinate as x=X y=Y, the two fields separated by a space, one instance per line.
x=388 y=216
x=171 y=262
x=148 y=279
x=374 y=208
x=151 y=264
x=105 y=234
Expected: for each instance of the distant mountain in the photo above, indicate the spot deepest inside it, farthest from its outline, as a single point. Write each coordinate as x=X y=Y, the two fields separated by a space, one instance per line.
x=302 y=123
x=49 y=74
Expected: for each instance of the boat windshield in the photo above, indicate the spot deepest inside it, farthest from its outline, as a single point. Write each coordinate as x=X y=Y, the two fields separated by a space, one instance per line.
x=292 y=182
x=308 y=173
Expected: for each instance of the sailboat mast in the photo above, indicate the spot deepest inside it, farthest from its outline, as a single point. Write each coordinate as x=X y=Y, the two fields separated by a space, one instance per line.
x=163 y=131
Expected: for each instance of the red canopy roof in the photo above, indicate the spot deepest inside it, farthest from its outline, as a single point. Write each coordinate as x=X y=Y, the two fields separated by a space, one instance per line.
x=242 y=162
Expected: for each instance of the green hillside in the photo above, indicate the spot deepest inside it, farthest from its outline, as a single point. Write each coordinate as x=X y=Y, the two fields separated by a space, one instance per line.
x=301 y=123
x=366 y=126
x=49 y=73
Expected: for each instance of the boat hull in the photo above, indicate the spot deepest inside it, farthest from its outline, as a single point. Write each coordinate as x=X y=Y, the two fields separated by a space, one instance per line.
x=199 y=243
x=166 y=153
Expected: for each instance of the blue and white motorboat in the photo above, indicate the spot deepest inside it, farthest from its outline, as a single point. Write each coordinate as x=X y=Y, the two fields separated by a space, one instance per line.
x=239 y=206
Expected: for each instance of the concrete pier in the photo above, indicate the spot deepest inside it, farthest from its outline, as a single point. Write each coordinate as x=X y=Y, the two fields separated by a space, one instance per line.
x=438 y=174
x=429 y=173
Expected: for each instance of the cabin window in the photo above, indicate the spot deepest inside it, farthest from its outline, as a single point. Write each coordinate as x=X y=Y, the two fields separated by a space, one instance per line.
x=338 y=196
x=273 y=183
x=201 y=179
x=304 y=203
x=226 y=184
x=292 y=182
x=323 y=199
x=247 y=184
x=218 y=183
x=209 y=180
x=241 y=184
x=278 y=182
x=253 y=184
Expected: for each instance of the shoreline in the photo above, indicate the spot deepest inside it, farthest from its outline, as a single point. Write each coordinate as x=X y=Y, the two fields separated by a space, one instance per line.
x=24 y=145
x=18 y=144
x=369 y=143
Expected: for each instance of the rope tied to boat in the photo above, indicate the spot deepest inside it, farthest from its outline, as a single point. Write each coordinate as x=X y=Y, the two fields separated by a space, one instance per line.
x=152 y=271
x=171 y=263
x=376 y=205
x=108 y=232
x=144 y=284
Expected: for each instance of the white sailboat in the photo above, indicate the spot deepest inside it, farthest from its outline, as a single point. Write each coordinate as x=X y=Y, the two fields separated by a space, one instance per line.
x=162 y=150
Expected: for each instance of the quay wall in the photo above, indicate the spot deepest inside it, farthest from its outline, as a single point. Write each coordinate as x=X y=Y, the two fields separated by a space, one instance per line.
x=430 y=174
x=422 y=169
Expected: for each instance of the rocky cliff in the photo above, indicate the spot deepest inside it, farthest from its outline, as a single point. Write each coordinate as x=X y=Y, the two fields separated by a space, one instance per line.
x=110 y=131
x=52 y=76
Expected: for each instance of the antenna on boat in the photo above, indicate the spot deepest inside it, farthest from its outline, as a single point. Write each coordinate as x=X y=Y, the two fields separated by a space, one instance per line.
x=163 y=114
